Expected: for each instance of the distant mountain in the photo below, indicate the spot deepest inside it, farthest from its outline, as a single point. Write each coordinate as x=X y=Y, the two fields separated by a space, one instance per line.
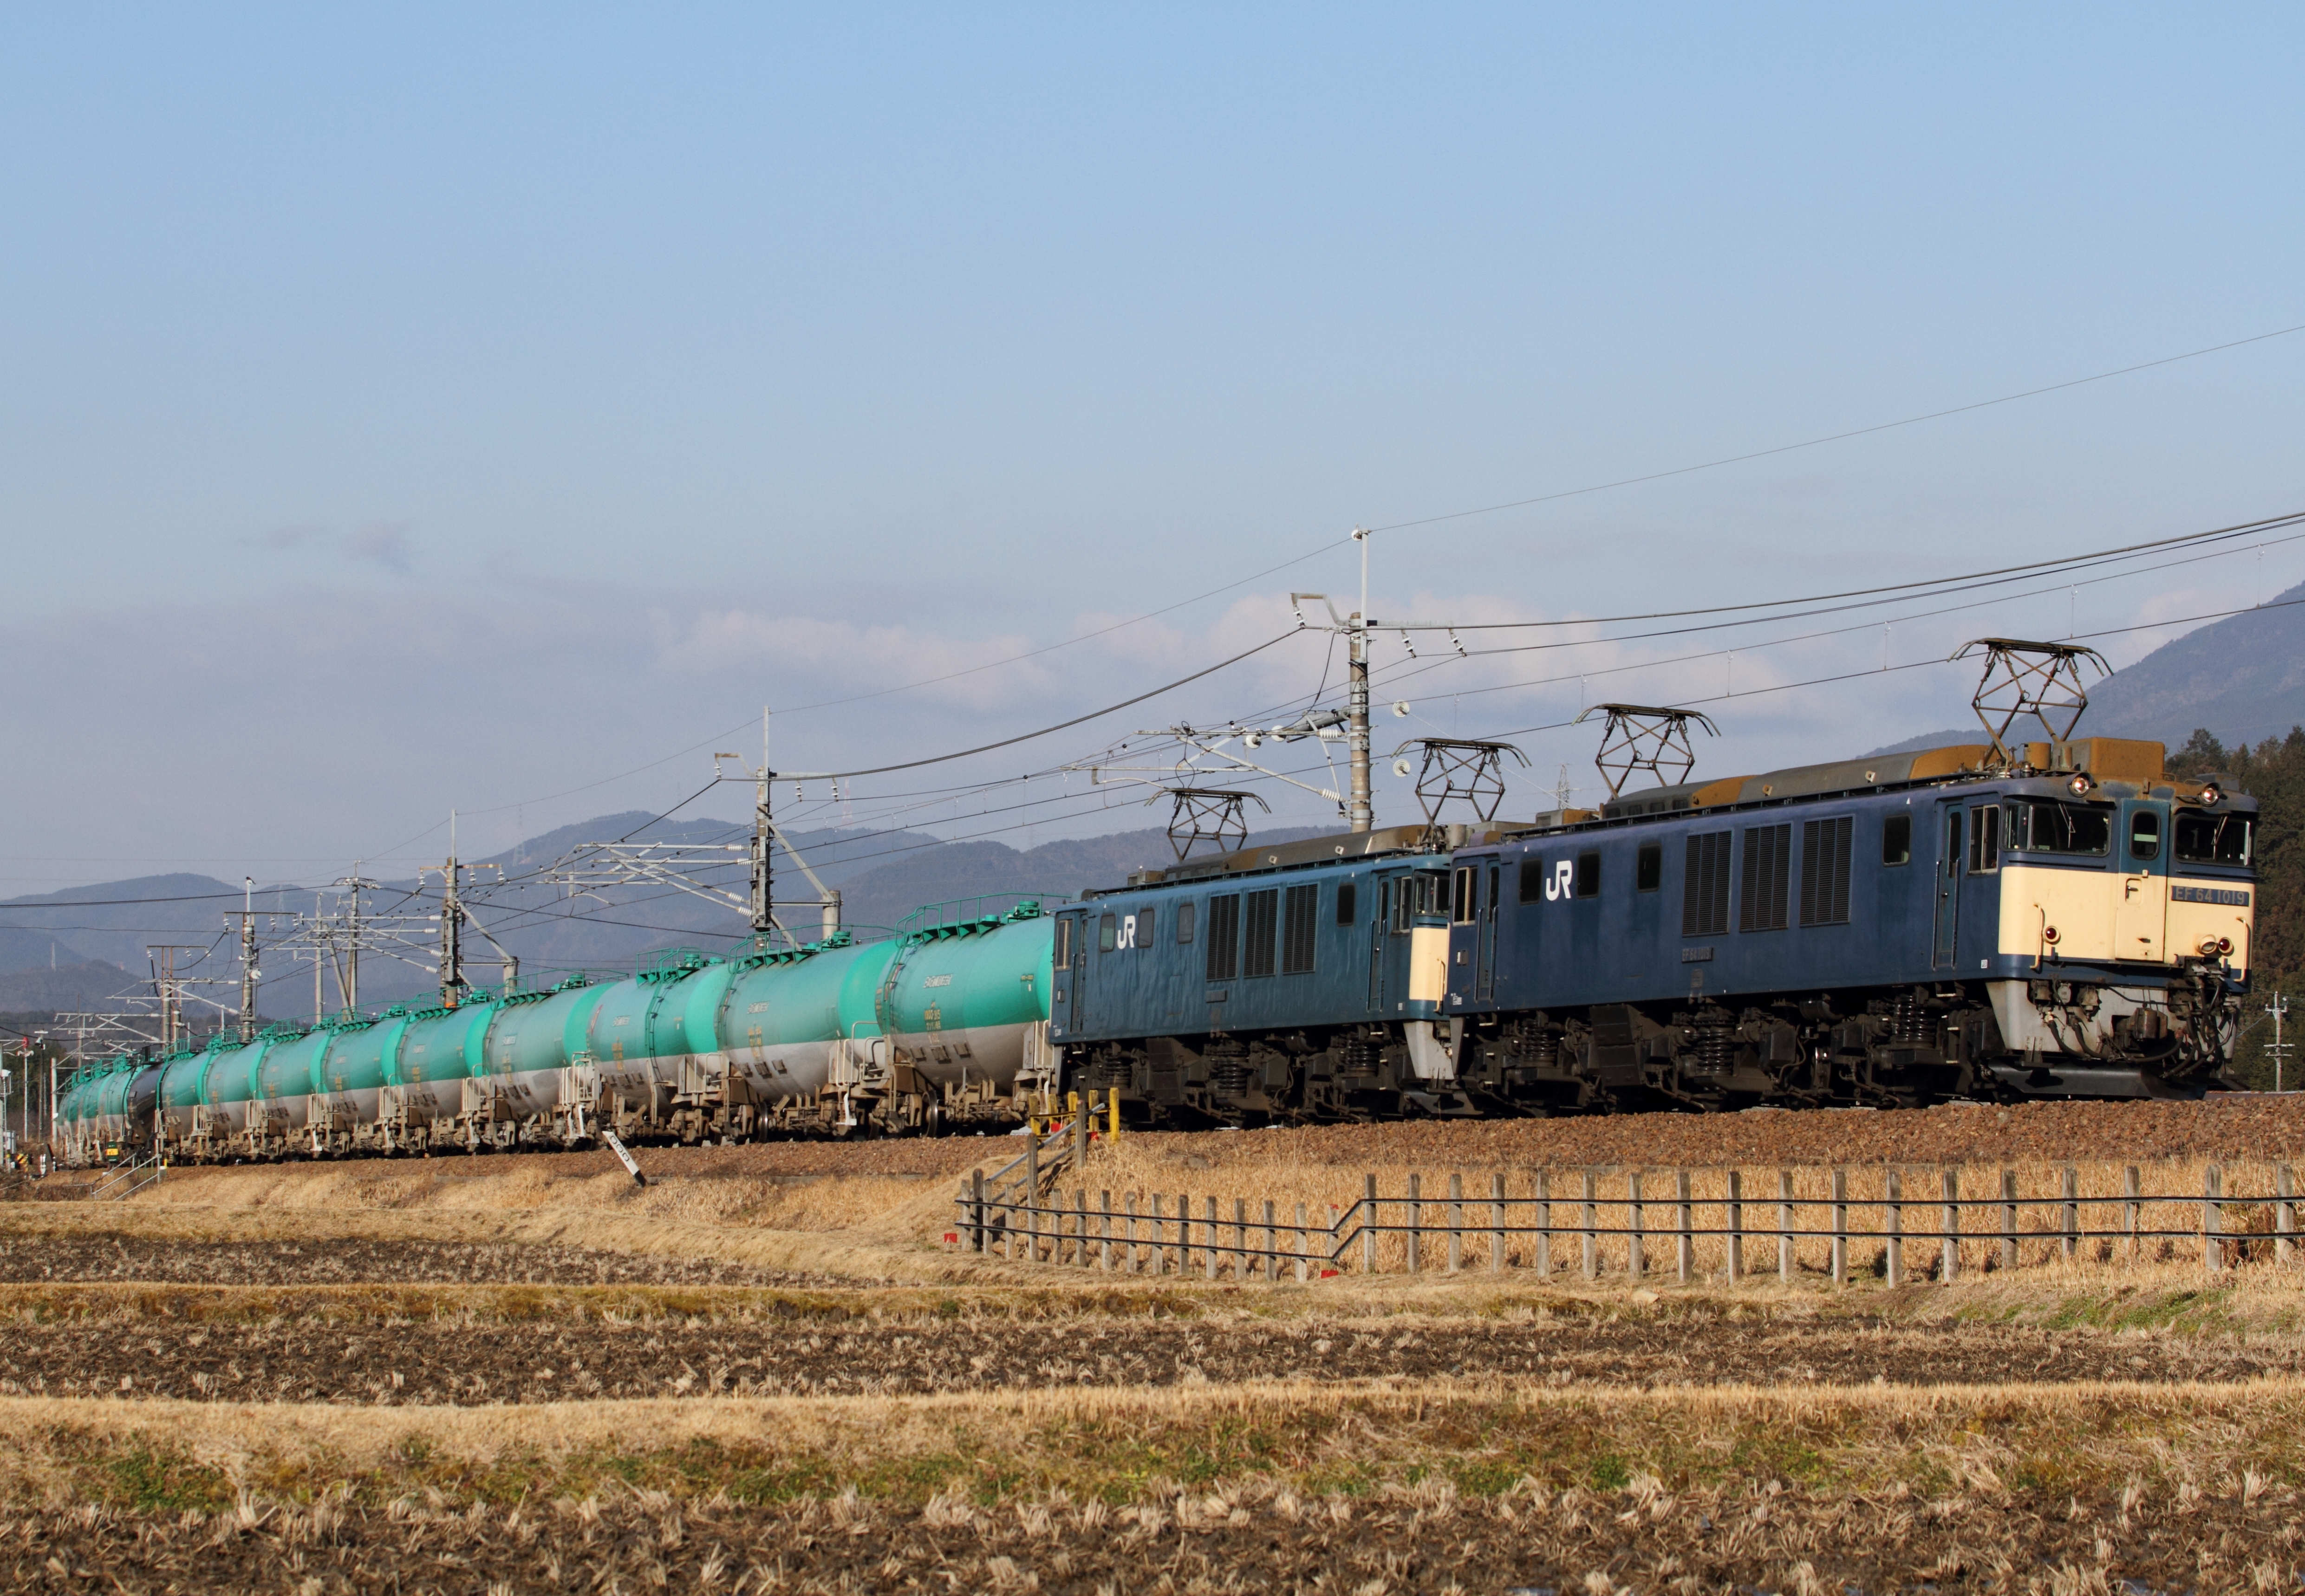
x=1951 y=739
x=40 y=989
x=2242 y=678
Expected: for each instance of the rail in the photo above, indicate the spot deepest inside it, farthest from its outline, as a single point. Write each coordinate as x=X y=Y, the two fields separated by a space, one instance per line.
x=1647 y=1231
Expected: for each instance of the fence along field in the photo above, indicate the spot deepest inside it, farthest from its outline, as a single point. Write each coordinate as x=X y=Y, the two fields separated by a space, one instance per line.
x=1686 y=1225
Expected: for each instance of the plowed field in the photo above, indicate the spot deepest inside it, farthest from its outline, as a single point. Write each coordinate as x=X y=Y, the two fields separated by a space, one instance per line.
x=747 y=1351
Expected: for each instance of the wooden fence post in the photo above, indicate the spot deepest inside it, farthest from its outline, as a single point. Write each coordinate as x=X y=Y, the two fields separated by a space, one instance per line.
x=2072 y=1240
x=1104 y=1249
x=2213 y=1253
x=1952 y=1224
x=1416 y=1218
x=1214 y=1245
x=1736 y=1226
x=1368 y=1227
x=1636 y=1263
x=1456 y=1223
x=1785 y=1227
x=1080 y=1132
x=1301 y=1244
x=1893 y=1207
x=1080 y=1226
x=2130 y=1207
x=976 y=1209
x=1271 y=1245
x=2008 y=1218
x=2284 y=1215
x=1687 y=1259
x=1840 y=1227
x=1242 y=1267
x=1136 y=1260
x=1591 y=1236
x=1496 y=1221
x=1545 y=1224
x=1184 y=1234
x=1031 y=1191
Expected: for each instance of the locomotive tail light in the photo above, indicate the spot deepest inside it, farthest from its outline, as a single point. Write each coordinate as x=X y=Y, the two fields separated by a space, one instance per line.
x=2079 y=786
x=2049 y=935
x=2224 y=945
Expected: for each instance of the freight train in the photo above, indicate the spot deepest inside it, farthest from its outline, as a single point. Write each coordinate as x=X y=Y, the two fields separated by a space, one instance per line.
x=2070 y=923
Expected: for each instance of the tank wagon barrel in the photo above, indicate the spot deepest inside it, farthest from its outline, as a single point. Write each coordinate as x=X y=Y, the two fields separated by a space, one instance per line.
x=943 y=1026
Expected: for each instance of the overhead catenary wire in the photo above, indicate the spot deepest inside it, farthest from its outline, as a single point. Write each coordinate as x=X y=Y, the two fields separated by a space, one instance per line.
x=1835 y=437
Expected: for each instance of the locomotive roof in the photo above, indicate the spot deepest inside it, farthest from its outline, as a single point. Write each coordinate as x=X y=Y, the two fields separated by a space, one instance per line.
x=2102 y=759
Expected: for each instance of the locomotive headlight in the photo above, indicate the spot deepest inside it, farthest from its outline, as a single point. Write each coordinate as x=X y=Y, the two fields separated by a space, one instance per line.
x=2209 y=793
x=2079 y=786
x=2210 y=945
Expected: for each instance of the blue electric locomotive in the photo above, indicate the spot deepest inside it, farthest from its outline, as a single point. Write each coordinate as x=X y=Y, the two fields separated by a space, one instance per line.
x=2069 y=923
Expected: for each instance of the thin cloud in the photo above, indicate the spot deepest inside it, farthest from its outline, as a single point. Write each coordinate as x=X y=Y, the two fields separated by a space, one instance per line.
x=382 y=543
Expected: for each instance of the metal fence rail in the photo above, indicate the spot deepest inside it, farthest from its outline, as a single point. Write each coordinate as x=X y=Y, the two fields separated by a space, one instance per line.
x=1654 y=1230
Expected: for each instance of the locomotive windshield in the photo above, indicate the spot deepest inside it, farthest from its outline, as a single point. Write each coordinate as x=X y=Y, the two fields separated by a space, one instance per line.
x=2043 y=825
x=2212 y=839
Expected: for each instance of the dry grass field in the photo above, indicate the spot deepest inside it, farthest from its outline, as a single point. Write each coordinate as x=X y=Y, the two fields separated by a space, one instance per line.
x=766 y=1371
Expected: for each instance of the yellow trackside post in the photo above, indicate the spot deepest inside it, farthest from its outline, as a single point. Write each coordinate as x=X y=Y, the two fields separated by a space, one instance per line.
x=1112 y=1112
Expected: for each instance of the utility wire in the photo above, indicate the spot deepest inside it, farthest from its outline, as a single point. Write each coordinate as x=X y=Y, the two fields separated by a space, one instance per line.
x=1934 y=415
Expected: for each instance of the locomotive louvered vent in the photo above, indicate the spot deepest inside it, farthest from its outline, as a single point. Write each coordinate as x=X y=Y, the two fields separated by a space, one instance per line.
x=1256 y=953
x=1298 y=916
x=1224 y=937
x=1768 y=860
x=1705 y=886
x=1824 y=871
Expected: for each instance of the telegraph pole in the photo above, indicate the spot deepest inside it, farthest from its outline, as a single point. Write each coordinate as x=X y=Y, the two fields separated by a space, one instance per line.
x=1362 y=814
x=763 y=917
x=248 y=960
x=2277 y=1008
x=452 y=926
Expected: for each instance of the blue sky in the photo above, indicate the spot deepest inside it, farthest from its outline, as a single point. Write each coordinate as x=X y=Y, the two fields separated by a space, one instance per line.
x=429 y=407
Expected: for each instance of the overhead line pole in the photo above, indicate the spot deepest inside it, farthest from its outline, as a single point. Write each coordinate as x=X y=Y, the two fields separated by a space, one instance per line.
x=1361 y=814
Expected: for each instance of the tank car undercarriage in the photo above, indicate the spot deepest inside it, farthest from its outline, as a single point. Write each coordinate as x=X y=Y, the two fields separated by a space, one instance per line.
x=1901 y=1046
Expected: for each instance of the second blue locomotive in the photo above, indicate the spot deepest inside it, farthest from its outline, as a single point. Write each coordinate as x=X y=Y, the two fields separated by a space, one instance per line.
x=2070 y=923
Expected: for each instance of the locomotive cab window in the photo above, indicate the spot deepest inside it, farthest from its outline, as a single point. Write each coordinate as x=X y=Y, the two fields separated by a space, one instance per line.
x=1108 y=933
x=1463 y=901
x=1183 y=922
x=1145 y=922
x=2044 y=826
x=1064 y=953
x=1897 y=840
x=1348 y=900
x=2212 y=839
x=1648 y=868
x=1531 y=879
x=2144 y=835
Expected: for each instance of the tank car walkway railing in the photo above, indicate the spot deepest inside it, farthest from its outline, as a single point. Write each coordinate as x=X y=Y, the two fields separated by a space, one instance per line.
x=1684 y=1226
x=128 y=1179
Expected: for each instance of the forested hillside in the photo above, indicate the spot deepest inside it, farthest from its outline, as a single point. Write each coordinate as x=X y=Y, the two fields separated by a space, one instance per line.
x=2273 y=772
